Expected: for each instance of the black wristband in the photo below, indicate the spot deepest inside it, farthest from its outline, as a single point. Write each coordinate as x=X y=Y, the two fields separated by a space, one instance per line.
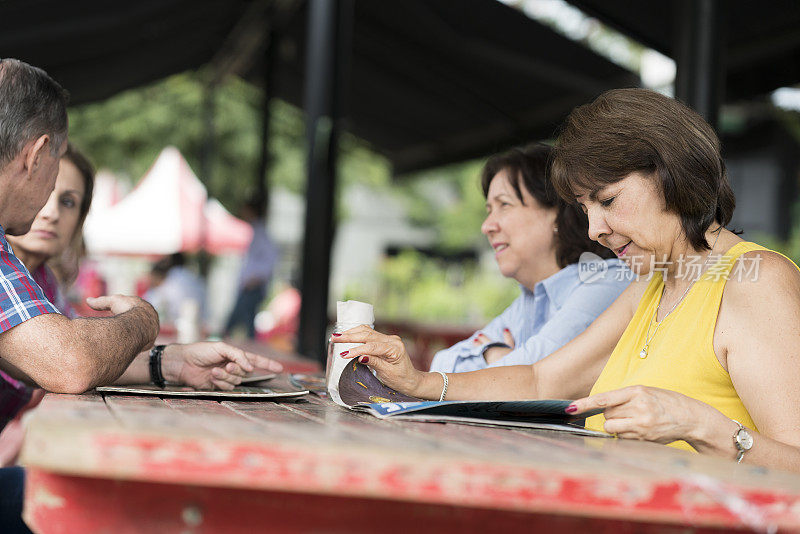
x=156 y=376
x=492 y=345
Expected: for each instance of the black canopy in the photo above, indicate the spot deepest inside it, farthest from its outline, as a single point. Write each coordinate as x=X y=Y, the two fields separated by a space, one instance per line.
x=432 y=81
x=761 y=49
x=437 y=81
x=97 y=48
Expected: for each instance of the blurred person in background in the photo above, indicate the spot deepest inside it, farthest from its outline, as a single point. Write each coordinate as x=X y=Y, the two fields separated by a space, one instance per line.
x=173 y=286
x=538 y=240
x=278 y=323
x=257 y=269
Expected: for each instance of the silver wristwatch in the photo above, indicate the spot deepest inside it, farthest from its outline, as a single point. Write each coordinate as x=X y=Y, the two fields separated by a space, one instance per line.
x=742 y=440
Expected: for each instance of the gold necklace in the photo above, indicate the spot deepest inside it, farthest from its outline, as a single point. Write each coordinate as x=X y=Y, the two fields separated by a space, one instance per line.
x=647 y=337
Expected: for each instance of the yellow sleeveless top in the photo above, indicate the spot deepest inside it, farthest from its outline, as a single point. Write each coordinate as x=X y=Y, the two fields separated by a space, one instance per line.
x=681 y=354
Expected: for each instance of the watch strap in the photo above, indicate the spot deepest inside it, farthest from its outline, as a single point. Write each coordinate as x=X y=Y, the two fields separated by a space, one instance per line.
x=156 y=374
x=740 y=450
x=492 y=345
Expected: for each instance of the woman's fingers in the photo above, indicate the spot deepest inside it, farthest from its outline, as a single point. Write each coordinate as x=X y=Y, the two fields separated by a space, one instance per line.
x=377 y=363
x=508 y=339
x=387 y=351
x=481 y=339
x=373 y=343
x=601 y=401
x=360 y=334
x=634 y=412
x=621 y=427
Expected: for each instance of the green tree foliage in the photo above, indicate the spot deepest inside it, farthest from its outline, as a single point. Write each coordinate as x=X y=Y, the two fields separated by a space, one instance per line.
x=448 y=199
x=126 y=133
x=413 y=286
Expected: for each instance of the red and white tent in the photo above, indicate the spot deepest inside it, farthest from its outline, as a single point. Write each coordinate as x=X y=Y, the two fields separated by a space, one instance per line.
x=168 y=211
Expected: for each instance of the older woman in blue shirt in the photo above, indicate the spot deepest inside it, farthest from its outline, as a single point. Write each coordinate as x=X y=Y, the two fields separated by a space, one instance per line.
x=541 y=242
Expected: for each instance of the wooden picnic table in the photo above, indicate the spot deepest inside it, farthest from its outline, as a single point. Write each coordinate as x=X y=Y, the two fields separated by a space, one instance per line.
x=145 y=464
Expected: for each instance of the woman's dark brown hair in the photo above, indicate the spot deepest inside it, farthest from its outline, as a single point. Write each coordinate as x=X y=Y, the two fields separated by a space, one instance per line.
x=529 y=167
x=638 y=130
x=86 y=169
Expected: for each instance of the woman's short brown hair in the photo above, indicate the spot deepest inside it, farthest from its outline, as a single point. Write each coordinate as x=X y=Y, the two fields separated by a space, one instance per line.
x=638 y=130
x=530 y=167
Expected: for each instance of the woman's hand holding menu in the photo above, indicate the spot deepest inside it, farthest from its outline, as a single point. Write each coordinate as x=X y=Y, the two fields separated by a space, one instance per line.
x=387 y=356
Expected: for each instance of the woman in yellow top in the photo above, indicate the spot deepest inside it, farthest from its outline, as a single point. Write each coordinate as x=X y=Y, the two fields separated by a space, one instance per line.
x=709 y=333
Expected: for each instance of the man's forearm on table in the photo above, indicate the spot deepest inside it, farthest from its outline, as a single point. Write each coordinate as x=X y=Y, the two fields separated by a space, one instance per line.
x=114 y=342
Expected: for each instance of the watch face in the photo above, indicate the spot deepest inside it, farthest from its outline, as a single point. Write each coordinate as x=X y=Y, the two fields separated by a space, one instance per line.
x=744 y=439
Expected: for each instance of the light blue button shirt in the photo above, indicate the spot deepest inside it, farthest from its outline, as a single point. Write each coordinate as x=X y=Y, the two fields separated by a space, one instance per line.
x=542 y=321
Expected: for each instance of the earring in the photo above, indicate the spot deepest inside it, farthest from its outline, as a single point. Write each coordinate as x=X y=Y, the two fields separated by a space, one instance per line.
x=555 y=229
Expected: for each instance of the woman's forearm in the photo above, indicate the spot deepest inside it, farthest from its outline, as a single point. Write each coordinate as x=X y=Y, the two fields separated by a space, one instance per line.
x=715 y=437
x=769 y=452
x=499 y=383
x=387 y=357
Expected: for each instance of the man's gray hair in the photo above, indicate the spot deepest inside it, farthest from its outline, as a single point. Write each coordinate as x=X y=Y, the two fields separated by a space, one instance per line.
x=32 y=104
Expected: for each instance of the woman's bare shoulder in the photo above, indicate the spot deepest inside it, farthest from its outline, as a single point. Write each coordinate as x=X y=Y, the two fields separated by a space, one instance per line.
x=762 y=283
x=762 y=273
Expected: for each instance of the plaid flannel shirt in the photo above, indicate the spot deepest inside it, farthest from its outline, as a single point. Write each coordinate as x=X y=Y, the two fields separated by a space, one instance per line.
x=20 y=299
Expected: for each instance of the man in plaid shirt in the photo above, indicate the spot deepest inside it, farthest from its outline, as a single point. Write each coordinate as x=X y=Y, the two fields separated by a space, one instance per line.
x=59 y=354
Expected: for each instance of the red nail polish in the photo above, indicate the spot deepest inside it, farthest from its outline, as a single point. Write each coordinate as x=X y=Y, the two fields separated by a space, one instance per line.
x=506 y=330
x=336 y=334
x=344 y=353
x=571 y=408
x=364 y=359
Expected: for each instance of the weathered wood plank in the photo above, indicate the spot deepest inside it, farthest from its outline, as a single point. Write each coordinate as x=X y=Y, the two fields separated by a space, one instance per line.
x=359 y=427
x=476 y=441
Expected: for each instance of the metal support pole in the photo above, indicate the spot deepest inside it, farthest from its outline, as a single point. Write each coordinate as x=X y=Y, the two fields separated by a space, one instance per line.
x=699 y=57
x=328 y=50
x=262 y=189
x=206 y=167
